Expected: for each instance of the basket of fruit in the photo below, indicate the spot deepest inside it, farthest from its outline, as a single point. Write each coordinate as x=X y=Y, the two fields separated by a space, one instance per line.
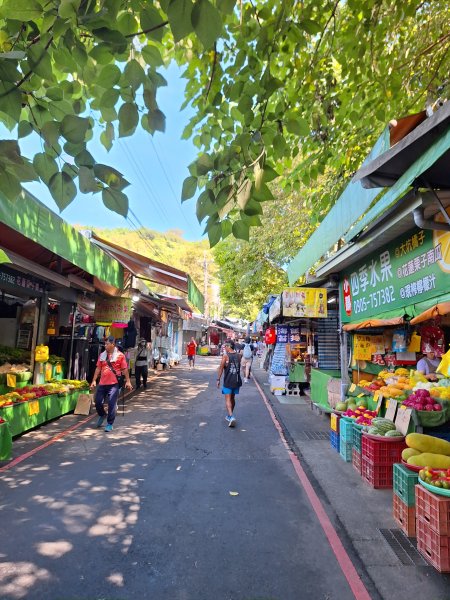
x=435 y=480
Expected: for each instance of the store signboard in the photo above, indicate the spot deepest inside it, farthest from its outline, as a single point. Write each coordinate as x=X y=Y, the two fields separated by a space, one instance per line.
x=112 y=310
x=305 y=302
x=275 y=309
x=294 y=335
x=413 y=268
x=18 y=281
x=282 y=334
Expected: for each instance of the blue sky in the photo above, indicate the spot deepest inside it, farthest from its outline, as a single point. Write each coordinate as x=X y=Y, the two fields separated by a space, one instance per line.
x=155 y=167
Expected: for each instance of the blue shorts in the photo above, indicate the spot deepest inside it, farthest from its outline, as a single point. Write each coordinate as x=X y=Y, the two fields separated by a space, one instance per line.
x=234 y=391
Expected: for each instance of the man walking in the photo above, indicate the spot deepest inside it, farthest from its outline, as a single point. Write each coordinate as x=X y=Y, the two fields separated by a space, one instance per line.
x=141 y=364
x=191 y=349
x=247 y=358
x=111 y=366
x=230 y=365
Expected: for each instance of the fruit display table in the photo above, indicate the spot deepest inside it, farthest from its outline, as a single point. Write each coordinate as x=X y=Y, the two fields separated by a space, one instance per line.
x=5 y=441
x=319 y=381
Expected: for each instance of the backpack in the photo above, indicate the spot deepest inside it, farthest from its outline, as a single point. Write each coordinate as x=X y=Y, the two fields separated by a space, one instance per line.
x=232 y=377
x=247 y=351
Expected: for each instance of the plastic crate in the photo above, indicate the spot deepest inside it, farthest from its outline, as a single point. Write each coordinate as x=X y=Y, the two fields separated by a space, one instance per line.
x=356 y=438
x=345 y=450
x=433 y=547
x=334 y=422
x=404 y=515
x=405 y=482
x=356 y=460
x=380 y=452
x=346 y=431
x=434 y=510
x=378 y=476
x=334 y=440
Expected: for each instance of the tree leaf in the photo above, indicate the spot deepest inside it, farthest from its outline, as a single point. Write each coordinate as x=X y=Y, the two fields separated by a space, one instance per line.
x=189 y=188
x=263 y=193
x=21 y=10
x=24 y=129
x=113 y=178
x=253 y=208
x=156 y=120
x=207 y=22
x=40 y=61
x=227 y=228
x=179 y=14
x=205 y=205
x=84 y=159
x=214 y=233
x=152 y=56
x=62 y=189
x=10 y=100
x=226 y=7
x=74 y=128
x=11 y=187
x=109 y=76
x=241 y=230
x=107 y=136
x=150 y=17
x=115 y=200
x=110 y=98
x=128 y=119
x=45 y=166
x=134 y=74
x=50 y=132
x=86 y=181
x=204 y=164
x=269 y=173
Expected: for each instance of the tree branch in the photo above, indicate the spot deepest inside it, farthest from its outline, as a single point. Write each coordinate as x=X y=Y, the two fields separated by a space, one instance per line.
x=145 y=31
x=30 y=73
x=316 y=49
x=425 y=51
x=213 y=70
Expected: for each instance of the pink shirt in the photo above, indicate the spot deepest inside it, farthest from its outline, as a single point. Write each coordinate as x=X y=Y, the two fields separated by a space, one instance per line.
x=118 y=363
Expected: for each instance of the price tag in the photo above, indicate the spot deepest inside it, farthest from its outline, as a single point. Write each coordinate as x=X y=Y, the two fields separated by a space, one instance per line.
x=33 y=407
x=403 y=419
x=360 y=395
x=378 y=398
x=352 y=388
x=391 y=409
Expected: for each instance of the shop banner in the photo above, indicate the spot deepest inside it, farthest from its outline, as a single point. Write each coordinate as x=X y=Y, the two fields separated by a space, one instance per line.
x=364 y=346
x=275 y=309
x=305 y=302
x=282 y=334
x=20 y=282
x=112 y=310
x=411 y=269
x=294 y=335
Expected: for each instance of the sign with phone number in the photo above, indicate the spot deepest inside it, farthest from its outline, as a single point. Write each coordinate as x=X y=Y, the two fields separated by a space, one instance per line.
x=408 y=270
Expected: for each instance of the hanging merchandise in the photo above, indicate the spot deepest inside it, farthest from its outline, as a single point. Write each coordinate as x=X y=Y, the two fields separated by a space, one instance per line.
x=399 y=341
x=432 y=339
x=270 y=336
x=414 y=343
x=41 y=353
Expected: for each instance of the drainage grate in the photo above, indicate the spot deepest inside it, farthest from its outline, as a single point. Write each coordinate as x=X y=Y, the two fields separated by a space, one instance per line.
x=313 y=435
x=403 y=547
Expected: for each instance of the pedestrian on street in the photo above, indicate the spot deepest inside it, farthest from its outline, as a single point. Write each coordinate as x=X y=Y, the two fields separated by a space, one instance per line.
x=141 y=364
x=191 y=349
x=230 y=365
x=112 y=368
x=247 y=358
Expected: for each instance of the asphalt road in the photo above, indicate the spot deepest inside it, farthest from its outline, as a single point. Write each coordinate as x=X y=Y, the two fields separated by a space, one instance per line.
x=172 y=505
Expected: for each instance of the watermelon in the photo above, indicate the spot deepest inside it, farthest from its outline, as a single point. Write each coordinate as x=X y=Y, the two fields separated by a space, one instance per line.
x=393 y=433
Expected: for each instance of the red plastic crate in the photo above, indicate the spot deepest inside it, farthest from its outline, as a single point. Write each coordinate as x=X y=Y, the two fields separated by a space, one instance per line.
x=379 y=476
x=382 y=453
x=404 y=515
x=433 y=510
x=356 y=460
x=435 y=548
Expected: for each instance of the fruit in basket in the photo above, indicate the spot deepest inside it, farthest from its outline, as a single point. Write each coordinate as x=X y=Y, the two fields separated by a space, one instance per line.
x=428 y=443
x=393 y=433
x=426 y=459
x=436 y=477
x=408 y=452
x=341 y=406
x=383 y=424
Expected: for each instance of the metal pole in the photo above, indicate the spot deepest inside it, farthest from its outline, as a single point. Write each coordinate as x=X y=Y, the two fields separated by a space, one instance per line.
x=72 y=335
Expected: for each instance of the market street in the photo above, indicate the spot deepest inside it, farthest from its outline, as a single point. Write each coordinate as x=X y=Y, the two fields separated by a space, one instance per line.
x=172 y=504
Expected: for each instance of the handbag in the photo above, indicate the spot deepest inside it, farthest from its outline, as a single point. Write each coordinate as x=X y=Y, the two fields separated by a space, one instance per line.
x=120 y=378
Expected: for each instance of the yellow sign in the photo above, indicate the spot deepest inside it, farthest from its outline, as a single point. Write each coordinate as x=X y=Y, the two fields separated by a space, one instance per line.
x=352 y=388
x=112 y=310
x=305 y=302
x=362 y=347
x=33 y=407
x=11 y=380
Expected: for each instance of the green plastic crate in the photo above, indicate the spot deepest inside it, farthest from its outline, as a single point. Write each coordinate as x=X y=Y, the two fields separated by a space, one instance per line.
x=405 y=481
x=356 y=438
x=346 y=431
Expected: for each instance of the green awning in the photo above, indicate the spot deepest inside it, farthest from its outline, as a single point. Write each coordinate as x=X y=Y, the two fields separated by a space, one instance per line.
x=350 y=205
x=422 y=164
x=195 y=297
x=35 y=221
x=4 y=258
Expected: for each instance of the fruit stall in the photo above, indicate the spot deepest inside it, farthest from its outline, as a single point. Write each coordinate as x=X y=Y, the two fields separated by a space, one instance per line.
x=27 y=407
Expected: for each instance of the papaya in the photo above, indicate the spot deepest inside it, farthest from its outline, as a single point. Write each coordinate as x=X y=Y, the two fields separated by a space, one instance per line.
x=427 y=443
x=408 y=452
x=427 y=459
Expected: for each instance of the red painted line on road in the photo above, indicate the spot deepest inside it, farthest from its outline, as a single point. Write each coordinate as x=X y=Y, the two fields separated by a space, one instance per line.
x=356 y=585
x=54 y=439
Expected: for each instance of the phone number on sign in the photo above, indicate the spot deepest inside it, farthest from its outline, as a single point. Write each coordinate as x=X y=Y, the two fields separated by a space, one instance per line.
x=374 y=300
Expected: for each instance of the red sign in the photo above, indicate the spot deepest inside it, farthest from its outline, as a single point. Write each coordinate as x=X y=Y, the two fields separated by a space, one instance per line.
x=347 y=296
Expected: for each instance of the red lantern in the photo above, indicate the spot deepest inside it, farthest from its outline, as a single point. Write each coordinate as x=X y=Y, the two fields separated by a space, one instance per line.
x=270 y=336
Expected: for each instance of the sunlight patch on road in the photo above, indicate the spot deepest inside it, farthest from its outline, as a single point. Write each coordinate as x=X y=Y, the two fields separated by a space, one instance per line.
x=54 y=549
x=116 y=579
x=18 y=579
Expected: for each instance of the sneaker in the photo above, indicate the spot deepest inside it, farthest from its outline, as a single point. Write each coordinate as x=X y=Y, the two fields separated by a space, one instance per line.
x=227 y=419
x=108 y=428
x=100 y=421
x=231 y=421
x=245 y=380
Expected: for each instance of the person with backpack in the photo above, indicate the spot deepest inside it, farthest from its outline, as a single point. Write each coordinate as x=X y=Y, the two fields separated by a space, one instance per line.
x=230 y=366
x=247 y=358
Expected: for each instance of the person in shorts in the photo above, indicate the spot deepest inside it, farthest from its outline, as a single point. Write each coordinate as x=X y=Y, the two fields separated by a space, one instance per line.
x=191 y=350
x=230 y=367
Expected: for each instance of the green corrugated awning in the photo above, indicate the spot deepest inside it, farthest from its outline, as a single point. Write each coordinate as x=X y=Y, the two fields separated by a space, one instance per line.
x=38 y=223
x=195 y=297
x=348 y=208
x=422 y=164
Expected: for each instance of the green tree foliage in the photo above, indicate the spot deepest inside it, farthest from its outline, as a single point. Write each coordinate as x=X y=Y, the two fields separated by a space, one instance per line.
x=249 y=271
x=271 y=82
